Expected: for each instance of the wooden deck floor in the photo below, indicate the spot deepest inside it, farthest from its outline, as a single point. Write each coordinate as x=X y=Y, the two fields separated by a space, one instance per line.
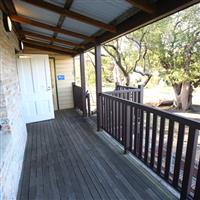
x=66 y=159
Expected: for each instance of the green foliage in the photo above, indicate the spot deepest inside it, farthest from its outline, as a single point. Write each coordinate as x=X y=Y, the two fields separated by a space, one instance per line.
x=170 y=47
x=177 y=45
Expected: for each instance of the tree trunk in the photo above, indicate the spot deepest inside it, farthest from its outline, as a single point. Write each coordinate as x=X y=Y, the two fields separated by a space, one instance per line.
x=127 y=79
x=183 y=94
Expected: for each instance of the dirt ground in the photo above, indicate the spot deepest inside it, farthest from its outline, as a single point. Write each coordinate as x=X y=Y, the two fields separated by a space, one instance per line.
x=158 y=93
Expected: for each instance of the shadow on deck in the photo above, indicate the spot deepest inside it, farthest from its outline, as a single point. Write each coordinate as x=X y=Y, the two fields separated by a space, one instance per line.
x=66 y=159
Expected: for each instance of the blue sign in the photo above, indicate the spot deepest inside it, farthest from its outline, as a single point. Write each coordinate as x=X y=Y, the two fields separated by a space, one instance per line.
x=61 y=77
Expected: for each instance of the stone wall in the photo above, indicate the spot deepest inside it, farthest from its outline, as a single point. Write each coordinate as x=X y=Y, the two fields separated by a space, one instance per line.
x=13 y=131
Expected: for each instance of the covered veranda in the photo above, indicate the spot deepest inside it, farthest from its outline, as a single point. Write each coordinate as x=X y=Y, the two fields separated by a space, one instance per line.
x=73 y=156
x=66 y=158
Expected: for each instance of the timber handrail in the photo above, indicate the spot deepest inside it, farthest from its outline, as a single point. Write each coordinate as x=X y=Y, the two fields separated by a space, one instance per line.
x=162 y=140
x=166 y=114
x=122 y=87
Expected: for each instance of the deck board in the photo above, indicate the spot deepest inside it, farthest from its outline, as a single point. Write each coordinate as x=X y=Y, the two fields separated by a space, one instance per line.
x=66 y=159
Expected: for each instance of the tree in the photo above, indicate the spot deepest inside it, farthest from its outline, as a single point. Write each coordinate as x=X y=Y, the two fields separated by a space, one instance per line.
x=129 y=53
x=170 y=46
x=177 y=46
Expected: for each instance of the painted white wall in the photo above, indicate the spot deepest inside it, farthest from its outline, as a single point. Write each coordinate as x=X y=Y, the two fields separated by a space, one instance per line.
x=64 y=66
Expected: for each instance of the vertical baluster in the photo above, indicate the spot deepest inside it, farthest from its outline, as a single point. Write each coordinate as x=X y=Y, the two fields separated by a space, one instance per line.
x=128 y=96
x=135 y=130
x=153 y=141
x=131 y=129
x=189 y=164
x=103 y=114
x=139 y=94
x=103 y=122
x=135 y=96
x=160 y=146
x=111 y=118
x=107 y=114
x=119 y=121
x=197 y=188
x=169 y=148
x=112 y=121
x=105 y=110
x=102 y=110
x=141 y=132
x=109 y=111
x=179 y=149
x=141 y=87
x=123 y=95
x=116 y=116
x=125 y=127
x=147 y=137
x=123 y=123
x=138 y=97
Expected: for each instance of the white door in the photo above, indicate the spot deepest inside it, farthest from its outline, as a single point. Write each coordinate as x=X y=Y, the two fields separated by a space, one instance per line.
x=35 y=83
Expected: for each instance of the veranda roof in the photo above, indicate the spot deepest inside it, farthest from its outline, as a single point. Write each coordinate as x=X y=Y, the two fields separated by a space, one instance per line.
x=74 y=26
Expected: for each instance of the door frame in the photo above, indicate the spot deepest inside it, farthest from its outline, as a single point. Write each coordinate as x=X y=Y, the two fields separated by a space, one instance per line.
x=56 y=84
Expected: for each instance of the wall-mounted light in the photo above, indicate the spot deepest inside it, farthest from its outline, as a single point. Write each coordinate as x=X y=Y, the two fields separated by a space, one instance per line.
x=21 y=45
x=7 y=23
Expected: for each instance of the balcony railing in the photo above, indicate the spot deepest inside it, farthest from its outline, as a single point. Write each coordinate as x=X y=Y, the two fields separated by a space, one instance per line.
x=165 y=142
x=81 y=99
x=129 y=93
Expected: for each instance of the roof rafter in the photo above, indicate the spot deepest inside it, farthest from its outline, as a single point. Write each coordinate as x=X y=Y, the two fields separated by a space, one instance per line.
x=72 y=14
x=44 y=48
x=22 y=19
x=143 y=5
x=36 y=35
x=70 y=51
x=61 y=20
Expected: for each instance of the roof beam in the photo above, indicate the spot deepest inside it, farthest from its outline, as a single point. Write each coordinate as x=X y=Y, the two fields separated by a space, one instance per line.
x=70 y=51
x=71 y=14
x=51 y=39
x=44 y=48
x=143 y=5
x=25 y=20
x=61 y=20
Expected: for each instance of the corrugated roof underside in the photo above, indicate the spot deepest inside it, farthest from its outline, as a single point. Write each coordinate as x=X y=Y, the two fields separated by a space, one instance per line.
x=69 y=38
x=36 y=13
x=104 y=10
x=34 y=29
x=79 y=27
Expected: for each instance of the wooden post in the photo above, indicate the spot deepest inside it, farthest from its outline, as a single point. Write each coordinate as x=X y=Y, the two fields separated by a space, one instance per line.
x=98 y=82
x=82 y=71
